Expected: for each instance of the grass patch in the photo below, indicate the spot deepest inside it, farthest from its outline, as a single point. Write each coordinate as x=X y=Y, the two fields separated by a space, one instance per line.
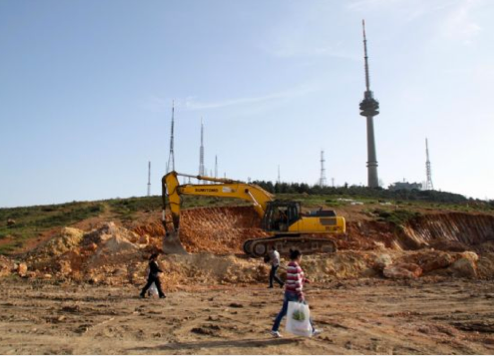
x=396 y=217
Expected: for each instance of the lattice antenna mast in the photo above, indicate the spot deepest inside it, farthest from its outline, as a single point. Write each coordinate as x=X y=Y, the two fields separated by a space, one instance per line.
x=216 y=166
x=149 y=178
x=322 y=179
x=428 y=183
x=171 y=157
x=201 y=152
x=279 y=175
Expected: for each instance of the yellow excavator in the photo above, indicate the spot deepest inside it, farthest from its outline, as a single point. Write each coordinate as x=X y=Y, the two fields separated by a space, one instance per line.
x=283 y=220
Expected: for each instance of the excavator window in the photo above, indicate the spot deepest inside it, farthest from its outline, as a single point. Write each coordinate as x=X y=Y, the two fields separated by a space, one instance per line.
x=280 y=215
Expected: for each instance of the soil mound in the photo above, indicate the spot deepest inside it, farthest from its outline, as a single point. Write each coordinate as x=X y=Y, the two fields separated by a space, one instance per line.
x=112 y=254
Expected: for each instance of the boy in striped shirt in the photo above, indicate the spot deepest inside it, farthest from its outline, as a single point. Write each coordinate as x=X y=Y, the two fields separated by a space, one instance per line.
x=293 y=290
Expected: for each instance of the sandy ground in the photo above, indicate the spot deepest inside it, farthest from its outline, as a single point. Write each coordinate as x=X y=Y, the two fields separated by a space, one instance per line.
x=365 y=316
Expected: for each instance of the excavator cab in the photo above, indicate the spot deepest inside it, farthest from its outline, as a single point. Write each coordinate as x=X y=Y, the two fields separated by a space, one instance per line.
x=280 y=215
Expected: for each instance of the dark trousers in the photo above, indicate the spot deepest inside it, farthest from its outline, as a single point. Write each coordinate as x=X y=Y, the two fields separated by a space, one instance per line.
x=273 y=276
x=152 y=280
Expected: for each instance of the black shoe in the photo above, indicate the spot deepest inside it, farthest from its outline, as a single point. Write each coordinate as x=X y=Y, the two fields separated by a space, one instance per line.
x=282 y=285
x=141 y=296
x=163 y=296
x=270 y=287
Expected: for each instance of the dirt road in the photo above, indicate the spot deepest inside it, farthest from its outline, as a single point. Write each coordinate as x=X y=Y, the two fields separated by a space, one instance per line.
x=366 y=316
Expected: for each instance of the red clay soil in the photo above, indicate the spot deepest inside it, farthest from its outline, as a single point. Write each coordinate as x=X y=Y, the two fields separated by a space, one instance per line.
x=224 y=230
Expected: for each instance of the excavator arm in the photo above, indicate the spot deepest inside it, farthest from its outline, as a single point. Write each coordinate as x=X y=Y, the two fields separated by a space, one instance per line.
x=223 y=188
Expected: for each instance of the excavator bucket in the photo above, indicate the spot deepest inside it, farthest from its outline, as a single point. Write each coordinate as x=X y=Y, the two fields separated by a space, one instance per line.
x=172 y=244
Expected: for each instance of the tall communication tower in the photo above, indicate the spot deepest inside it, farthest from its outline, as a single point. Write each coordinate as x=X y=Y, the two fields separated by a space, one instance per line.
x=216 y=166
x=369 y=108
x=149 y=178
x=201 y=152
x=279 y=176
x=428 y=183
x=171 y=157
x=322 y=179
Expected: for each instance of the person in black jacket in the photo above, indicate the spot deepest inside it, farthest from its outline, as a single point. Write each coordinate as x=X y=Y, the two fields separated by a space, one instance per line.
x=153 y=277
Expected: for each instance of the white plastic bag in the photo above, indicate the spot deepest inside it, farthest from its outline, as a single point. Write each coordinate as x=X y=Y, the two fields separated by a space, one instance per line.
x=298 y=319
x=153 y=291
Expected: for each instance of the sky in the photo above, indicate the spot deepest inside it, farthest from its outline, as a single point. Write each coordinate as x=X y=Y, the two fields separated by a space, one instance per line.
x=86 y=88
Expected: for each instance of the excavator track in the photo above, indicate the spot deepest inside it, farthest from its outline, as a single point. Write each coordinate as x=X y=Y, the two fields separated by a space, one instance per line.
x=306 y=244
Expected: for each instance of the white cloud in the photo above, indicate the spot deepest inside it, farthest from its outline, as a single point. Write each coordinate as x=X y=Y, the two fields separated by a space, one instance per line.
x=193 y=104
x=158 y=104
x=460 y=23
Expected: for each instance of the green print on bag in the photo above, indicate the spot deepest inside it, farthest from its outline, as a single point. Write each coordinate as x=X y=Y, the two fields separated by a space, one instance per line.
x=298 y=315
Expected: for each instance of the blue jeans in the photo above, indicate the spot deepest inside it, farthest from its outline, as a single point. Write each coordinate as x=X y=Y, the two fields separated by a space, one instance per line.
x=289 y=297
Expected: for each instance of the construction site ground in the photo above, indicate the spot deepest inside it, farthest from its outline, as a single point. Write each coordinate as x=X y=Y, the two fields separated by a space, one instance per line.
x=365 y=316
x=406 y=280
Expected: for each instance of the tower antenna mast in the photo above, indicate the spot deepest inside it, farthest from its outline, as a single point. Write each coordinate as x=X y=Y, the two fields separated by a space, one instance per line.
x=428 y=184
x=171 y=157
x=149 y=178
x=369 y=107
x=201 y=152
x=322 y=179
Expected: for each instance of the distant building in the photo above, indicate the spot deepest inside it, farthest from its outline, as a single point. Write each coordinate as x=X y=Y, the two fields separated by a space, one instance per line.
x=405 y=186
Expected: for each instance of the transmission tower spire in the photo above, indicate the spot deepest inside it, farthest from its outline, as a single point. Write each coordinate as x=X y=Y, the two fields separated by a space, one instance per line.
x=428 y=183
x=171 y=157
x=149 y=178
x=322 y=179
x=279 y=176
x=369 y=108
x=201 y=152
x=216 y=166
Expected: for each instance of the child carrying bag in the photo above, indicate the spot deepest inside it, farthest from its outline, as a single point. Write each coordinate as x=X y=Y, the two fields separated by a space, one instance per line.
x=298 y=319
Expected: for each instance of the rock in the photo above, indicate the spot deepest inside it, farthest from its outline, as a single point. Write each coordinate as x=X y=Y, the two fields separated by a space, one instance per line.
x=22 y=269
x=91 y=247
x=236 y=305
x=7 y=266
x=470 y=255
x=431 y=260
x=10 y=222
x=464 y=268
x=144 y=240
x=47 y=276
x=382 y=261
x=402 y=271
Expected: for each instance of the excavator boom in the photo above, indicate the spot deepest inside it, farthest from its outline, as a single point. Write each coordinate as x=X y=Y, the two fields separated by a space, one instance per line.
x=224 y=188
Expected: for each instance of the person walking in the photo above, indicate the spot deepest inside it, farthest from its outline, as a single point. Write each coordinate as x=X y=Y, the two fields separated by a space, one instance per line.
x=275 y=264
x=294 y=284
x=153 y=277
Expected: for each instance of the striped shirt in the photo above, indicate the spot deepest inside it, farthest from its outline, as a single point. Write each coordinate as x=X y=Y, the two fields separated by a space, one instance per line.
x=294 y=279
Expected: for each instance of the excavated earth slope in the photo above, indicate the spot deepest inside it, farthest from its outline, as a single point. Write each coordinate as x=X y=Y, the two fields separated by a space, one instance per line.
x=450 y=244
